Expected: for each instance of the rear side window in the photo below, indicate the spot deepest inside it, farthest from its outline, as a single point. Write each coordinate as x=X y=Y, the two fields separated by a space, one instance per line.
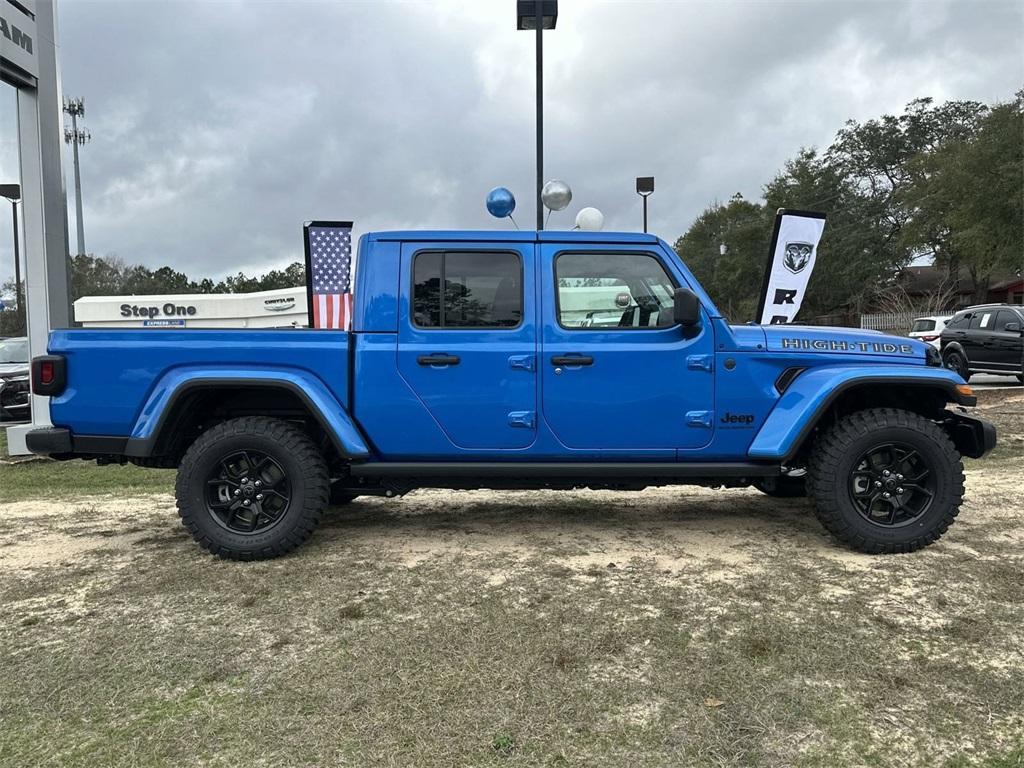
x=982 y=321
x=481 y=289
x=923 y=325
x=960 y=321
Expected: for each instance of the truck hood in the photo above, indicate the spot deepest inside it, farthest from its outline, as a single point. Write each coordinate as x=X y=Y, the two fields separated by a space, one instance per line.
x=854 y=341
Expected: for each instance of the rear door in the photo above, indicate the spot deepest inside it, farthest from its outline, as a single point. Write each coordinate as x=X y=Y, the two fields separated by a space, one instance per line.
x=467 y=340
x=616 y=373
x=980 y=344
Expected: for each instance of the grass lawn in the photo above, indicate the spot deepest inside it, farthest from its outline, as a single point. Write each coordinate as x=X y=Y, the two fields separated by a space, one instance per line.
x=41 y=478
x=670 y=627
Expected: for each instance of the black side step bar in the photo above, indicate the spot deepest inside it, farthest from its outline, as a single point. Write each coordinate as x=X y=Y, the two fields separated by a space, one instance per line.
x=522 y=469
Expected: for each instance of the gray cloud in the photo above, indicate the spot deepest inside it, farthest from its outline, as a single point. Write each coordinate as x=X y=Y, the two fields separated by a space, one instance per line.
x=219 y=127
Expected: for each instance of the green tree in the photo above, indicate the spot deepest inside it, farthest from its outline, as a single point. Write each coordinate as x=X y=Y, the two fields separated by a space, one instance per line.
x=733 y=278
x=966 y=199
x=880 y=159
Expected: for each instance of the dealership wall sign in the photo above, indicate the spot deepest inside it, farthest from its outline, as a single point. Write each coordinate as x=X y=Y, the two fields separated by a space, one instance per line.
x=169 y=309
x=285 y=308
x=18 y=43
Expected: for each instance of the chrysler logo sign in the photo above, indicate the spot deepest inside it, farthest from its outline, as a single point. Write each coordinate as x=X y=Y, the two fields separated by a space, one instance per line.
x=279 y=305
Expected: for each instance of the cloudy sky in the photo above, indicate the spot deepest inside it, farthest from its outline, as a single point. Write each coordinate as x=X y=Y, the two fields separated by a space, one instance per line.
x=219 y=127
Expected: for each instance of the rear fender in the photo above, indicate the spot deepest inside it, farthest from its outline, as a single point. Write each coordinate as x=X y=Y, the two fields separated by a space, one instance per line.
x=814 y=391
x=324 y=406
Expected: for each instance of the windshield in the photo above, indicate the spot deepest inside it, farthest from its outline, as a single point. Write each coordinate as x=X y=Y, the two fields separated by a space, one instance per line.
x=14 y=351
x=923 y=325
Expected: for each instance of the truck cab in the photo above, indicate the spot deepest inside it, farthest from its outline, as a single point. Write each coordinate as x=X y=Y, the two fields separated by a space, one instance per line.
x=518 y=360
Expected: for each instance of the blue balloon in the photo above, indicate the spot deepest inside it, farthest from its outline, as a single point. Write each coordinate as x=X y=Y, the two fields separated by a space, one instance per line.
x=500 y=202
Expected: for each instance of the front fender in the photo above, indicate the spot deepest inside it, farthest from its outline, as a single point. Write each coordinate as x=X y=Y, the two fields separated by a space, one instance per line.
x=811 y=394
x=332 y=416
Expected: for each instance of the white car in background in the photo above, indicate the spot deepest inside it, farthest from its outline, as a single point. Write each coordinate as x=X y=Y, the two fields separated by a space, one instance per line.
x=929 y=328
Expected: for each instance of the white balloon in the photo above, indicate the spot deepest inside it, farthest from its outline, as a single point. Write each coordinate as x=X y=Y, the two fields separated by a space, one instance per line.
x=556 y=195
x=590 y=219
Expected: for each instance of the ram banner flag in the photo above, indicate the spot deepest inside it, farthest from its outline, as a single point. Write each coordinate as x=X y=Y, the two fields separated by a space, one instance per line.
x=791 y=262
x=329 y=274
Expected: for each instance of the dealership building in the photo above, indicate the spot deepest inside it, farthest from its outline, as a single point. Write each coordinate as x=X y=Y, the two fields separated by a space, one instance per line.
x=285 y=308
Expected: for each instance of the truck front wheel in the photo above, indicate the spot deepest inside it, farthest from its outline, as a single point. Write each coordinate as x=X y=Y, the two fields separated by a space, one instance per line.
x=885 y=480
x=252 y=488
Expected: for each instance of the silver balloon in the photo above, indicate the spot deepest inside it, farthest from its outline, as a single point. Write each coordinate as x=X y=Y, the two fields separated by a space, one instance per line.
x=556 y=195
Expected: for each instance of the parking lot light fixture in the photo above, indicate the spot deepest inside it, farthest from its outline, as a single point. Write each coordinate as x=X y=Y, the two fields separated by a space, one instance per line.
x=538 y=15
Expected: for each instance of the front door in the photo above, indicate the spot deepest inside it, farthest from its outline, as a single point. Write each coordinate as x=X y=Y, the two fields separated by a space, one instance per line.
x=467 y=341
x=616 y=373
x=1008 y=345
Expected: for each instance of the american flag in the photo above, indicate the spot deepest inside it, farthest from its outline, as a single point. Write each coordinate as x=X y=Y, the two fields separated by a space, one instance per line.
x=329 y=271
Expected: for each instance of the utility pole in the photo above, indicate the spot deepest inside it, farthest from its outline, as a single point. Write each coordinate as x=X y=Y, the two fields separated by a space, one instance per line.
x=76 y=138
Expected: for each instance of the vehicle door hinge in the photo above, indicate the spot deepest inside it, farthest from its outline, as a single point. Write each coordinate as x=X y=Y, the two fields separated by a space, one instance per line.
x=524 y=419
x=526 y=362
x=700 y=363
x=699 y=419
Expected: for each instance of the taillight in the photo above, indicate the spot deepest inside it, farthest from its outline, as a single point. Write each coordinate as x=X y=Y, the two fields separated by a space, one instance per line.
x=49 y=375
x=929 y=338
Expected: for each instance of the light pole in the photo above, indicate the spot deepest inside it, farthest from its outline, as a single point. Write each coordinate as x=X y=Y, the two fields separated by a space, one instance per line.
x=645 y=188
x=538 y=15
x=13 y=193
x=76 y=138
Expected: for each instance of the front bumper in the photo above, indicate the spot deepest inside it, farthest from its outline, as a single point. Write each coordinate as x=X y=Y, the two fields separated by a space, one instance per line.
x=972 y=436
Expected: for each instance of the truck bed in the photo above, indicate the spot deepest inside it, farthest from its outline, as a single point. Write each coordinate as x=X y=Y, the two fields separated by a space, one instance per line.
x=113 y=373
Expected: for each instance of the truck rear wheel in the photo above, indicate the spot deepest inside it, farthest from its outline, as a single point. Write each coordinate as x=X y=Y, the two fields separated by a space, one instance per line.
x=885 y=480
x=252 y=488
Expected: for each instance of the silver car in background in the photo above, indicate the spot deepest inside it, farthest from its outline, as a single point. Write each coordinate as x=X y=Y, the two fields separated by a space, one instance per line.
x=14 y=385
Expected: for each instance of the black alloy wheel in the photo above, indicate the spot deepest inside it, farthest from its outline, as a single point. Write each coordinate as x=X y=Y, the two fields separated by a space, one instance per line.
x=891 y=485
x=248 y=492
x=252 y=488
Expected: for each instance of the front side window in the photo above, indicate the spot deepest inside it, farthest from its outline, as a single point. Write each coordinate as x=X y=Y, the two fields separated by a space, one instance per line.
x=613 y=290
x=482 y=289
x=1004 y=318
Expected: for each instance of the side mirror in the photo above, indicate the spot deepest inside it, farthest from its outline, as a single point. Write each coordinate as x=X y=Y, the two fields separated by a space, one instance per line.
x=1012 y=327
x=686 y=310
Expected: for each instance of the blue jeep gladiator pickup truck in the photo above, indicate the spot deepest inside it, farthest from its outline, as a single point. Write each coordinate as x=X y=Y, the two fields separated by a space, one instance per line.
x=517 y=360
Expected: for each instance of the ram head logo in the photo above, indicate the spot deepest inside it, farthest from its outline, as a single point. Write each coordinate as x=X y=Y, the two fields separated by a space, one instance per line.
x=797 y=256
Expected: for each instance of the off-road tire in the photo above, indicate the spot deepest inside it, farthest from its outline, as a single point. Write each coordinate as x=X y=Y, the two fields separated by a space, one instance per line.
x=783 y=486
x=957 y=362
x=832 y=462
x=296 y=454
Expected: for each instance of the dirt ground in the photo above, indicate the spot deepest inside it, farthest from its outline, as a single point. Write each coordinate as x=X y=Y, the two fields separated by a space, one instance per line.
x=666 y=627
